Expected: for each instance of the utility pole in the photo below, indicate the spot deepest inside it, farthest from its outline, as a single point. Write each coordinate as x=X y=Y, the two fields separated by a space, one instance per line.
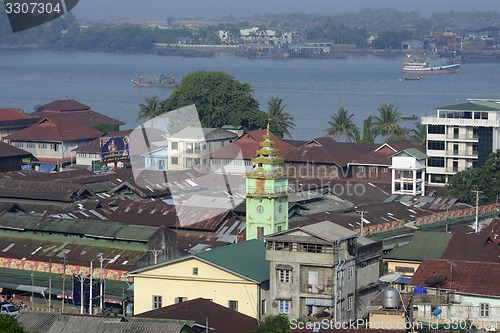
x=91 y=304
x=101 y=295
x=63 y=284
x=476 y=223
x=362 y=213
x=50 y=285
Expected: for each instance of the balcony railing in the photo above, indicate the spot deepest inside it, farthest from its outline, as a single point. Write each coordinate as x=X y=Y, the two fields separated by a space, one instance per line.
x=267 y=190
x=453 y=136
x=461 y=153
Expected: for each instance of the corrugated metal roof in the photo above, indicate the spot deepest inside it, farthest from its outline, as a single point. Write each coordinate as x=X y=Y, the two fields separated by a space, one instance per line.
x=41 y=322
x=246 y=258
x=468 y=276
x=424 y=244
x=471 y=107
x=329 y=231
x=46 y=191
x=89 y=228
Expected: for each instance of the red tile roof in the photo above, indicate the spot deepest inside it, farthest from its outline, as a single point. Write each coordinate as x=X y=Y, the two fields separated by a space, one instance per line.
x=57 y=129
x=220 y=318
x=248 y=144
x=381 y=155
x=12 y=114
x=464 y=276
x=323 y=150
x=77 y=110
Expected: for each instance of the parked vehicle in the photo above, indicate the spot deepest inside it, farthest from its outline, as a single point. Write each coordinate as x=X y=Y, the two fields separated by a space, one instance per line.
x=8 y=309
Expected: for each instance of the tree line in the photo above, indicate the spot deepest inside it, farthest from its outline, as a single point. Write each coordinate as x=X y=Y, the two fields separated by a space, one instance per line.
x=388 y=27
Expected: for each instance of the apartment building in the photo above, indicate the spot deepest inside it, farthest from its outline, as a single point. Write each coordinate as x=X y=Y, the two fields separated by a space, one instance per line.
x=461 y=136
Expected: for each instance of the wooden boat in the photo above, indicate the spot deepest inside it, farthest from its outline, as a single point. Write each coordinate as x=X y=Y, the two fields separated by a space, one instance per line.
x=163 y=81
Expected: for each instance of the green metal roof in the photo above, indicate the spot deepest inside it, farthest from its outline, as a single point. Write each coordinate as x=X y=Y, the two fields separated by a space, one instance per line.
x=479 y=106
x=17 y=278
x=89 y=228
x=412 y=152
x=246 y=258
x=424 y=244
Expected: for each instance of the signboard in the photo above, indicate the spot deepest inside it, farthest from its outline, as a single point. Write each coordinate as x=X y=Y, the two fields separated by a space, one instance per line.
x=114 y=149
x=99 y=167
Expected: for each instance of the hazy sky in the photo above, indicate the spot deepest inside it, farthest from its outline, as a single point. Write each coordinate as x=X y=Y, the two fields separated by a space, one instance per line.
x=162 y=9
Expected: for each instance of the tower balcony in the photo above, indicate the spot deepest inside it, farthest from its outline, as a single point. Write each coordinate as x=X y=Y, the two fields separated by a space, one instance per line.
x=267 y=191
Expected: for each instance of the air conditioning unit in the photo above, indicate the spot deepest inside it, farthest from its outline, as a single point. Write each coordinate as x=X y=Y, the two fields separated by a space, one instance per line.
x=454 y=298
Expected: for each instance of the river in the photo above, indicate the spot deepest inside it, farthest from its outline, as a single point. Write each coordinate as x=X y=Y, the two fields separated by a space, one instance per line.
x=312 y=89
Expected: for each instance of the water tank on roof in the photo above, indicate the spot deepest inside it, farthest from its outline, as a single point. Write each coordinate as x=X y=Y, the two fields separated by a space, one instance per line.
x=420 y=290
x=390 y=298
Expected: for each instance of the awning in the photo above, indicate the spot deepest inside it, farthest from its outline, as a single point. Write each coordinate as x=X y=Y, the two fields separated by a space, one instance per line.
x=47 y=168
x=34 y=289
x=403 y=280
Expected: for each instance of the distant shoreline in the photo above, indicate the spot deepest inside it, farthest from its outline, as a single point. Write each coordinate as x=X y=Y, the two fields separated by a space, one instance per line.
x=213 y=50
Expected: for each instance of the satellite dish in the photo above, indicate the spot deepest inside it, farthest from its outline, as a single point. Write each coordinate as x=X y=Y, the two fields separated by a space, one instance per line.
x=435 y=280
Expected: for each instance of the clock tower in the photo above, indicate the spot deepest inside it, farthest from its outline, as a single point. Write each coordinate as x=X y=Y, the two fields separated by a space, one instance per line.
x=266 y=192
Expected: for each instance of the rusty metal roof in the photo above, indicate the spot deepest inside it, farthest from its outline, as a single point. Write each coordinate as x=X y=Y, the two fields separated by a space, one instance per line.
x=44 y=191
x=480 y=278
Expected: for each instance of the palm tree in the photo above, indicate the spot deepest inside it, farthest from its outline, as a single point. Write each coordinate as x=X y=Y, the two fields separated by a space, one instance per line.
x=282 y=120
x=419 y=135
x=387 y=122
x=342 y=125
x=148 y=110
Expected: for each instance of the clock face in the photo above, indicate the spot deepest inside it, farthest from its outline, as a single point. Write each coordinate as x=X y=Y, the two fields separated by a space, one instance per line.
x=280 y=208
x=260 y=209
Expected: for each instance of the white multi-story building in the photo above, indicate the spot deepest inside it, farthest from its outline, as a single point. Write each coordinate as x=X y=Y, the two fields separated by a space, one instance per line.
x=190 y=147
x=461 y=136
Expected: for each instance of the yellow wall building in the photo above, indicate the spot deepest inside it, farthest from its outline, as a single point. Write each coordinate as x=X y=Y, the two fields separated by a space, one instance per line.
x=235 y=276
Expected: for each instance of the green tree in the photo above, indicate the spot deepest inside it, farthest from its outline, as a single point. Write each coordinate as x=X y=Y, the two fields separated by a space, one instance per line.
x=280 y=121
x=274 y=324
x=419 y=134
x=106 y=128
x=219 y=98
x=368 y=131
x=387 y=122
x=150 y=109
x=485 y=179
x=343 y=126
x=10 y=325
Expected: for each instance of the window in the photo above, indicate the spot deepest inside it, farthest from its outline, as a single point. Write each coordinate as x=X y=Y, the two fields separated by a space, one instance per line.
x=435 y=129
x=403 y=269
x=189 y=162
x=350 y=273
x=349 y=302
x=189 y=147
x=42 y=145
x=18 y=144
x=484 y=309
x=435 y=145
x=436 y=162
x=174 y=160
x=30 y=145
x=285 y=275
x=174 y=145
x=156 y=302
x=54 y=146
x=263 y=307
x=284 y=305
x=260 y=233
x=180 y=299
x=195 y=270
x=233 y=305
